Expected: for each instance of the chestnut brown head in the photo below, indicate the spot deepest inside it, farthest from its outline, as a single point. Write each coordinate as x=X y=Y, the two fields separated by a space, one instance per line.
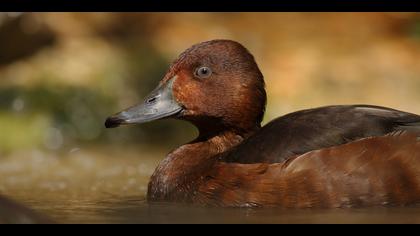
x=215 y=85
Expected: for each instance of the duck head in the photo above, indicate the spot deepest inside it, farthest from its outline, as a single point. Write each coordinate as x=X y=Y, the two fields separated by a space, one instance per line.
x=216 y=85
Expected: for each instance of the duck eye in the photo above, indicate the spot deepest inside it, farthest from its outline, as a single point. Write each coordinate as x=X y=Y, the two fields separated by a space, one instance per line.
x=203 y=72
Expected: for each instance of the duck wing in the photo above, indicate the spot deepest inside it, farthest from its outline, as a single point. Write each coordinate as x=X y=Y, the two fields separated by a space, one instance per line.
x=372 y=171
x=303 y=131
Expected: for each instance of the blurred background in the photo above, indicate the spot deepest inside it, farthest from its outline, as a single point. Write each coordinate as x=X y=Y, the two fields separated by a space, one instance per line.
x=62 y=74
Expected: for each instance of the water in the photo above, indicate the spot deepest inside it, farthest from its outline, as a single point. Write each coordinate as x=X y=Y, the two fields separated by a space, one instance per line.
x=132 y=210
x=98 y=186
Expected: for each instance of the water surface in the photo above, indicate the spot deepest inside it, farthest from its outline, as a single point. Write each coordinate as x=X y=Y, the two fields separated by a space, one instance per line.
x=98 y=186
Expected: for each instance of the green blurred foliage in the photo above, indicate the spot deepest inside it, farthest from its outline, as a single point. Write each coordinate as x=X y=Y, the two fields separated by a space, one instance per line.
x=414 y=28
x=60 y=116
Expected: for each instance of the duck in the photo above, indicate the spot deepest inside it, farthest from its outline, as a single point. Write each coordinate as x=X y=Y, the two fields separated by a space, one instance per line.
x=327 y=157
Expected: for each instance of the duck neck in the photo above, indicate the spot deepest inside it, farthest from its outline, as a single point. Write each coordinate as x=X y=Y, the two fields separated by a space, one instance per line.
x=183 y=169
x=210 y=128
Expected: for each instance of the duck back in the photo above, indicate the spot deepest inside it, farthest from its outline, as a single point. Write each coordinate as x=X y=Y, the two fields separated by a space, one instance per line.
x=306 y=130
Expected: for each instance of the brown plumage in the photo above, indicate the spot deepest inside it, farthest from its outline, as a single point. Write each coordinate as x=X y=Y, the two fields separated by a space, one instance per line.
x=370 y=171
x=335 y=156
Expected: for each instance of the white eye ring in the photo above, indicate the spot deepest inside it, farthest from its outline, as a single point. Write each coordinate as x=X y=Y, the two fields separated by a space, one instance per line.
x=203 y=72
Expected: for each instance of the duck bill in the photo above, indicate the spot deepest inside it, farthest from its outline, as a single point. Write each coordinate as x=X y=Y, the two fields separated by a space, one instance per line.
x=159 y=104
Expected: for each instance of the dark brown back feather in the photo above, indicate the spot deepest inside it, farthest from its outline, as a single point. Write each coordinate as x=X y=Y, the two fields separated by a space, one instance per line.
x=307 y=130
